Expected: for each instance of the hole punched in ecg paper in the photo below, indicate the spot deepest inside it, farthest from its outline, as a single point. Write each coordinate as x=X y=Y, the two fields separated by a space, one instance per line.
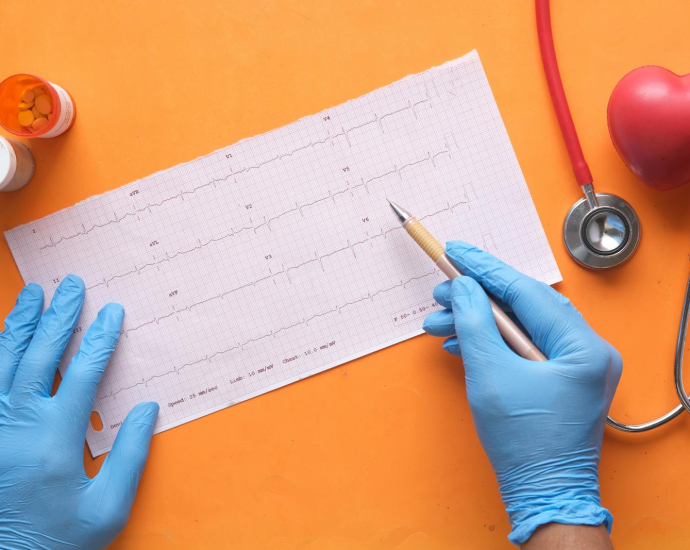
x=276 y=258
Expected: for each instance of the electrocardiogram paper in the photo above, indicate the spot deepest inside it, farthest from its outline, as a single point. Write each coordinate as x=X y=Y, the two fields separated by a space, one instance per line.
x=278 y=257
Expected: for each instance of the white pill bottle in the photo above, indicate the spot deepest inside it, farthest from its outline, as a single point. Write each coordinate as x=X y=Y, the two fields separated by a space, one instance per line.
x=16 y=165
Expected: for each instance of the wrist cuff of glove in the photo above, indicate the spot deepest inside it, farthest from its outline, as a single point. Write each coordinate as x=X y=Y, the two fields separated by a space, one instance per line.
x=570 y=512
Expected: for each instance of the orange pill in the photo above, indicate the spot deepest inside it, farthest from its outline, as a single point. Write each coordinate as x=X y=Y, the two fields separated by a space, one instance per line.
x=24 y=105
x=35 y=112
x=28 y=95
x=44 y=104
x=26 y=118
x=39 y=123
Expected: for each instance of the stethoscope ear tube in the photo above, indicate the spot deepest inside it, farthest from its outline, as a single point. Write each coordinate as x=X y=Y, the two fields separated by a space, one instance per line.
x=560 y=103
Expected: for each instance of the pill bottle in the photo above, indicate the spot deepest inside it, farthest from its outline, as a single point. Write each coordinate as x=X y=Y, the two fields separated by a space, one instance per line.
x=16 y=165
x=55 y=107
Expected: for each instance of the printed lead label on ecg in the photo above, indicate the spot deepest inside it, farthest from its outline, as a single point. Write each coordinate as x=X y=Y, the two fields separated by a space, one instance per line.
x=278 y=257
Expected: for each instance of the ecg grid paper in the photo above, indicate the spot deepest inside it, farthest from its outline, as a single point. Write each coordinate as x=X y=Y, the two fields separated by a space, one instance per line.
x=278 y=257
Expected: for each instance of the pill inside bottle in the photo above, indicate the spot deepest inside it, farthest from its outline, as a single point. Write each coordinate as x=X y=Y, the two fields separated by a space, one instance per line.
x=16 y=165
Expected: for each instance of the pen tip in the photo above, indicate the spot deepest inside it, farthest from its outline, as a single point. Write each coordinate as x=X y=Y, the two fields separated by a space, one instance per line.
x=400 y=212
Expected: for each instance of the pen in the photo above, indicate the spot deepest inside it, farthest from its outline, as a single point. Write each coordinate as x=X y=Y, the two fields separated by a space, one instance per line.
x=519 y=341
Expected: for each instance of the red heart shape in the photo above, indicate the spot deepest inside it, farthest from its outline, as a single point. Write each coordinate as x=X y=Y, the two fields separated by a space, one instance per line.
x=649 y=123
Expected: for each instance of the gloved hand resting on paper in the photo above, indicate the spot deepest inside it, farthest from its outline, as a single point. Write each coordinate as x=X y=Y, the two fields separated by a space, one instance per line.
x=540 y=423
x=46 y=499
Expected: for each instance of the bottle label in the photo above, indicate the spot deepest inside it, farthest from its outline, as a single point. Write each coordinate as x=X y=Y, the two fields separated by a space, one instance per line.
x=66 y=113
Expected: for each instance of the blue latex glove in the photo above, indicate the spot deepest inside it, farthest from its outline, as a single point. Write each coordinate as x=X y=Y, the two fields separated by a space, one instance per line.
x=46 y=499
x=540 y=423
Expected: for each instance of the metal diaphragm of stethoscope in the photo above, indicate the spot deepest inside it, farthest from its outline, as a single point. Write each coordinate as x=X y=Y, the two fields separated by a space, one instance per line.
x=601 y=230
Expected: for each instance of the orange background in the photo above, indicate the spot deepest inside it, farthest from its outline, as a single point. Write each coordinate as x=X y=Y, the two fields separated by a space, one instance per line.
x=380 y=452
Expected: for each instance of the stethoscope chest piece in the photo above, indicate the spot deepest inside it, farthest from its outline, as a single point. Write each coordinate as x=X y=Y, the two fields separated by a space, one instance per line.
x=601 y=230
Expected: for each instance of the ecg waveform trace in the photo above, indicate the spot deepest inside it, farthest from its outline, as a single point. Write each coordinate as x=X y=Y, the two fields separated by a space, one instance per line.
x=284 y=271
x=276 y=258
x=267 y=222
x=181 y=194
x=239 y=345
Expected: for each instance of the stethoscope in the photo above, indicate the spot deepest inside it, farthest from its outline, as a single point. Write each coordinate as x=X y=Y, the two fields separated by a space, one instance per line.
x=601 y=230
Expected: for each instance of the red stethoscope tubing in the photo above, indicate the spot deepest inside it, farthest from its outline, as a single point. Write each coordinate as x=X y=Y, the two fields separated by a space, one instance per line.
x=560 y=103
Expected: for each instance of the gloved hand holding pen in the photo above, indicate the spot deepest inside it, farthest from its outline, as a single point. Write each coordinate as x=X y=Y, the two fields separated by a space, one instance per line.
x=46 y=499
x=540 y=423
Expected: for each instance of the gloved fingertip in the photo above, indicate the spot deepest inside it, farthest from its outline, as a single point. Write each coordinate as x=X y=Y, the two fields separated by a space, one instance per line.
x=125 y=463
x=30 y=299
x=112 y=315
x=456 y=250
x=32 y=291
x=429 y=326
x=136 y=431
x=66 y=303
x=146 y=412
x=459 y=246
x=153 y=408
x=439 y=323
x=441 y=292
x=115 y=306
x=73 y=283
x=452 y=345
x=461 y=288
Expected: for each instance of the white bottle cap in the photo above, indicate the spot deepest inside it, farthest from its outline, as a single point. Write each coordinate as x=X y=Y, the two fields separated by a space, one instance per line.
x=8 y=163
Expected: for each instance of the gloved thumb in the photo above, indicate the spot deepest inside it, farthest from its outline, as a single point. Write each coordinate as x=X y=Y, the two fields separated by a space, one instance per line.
x=475 y=326
x=116 y=484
